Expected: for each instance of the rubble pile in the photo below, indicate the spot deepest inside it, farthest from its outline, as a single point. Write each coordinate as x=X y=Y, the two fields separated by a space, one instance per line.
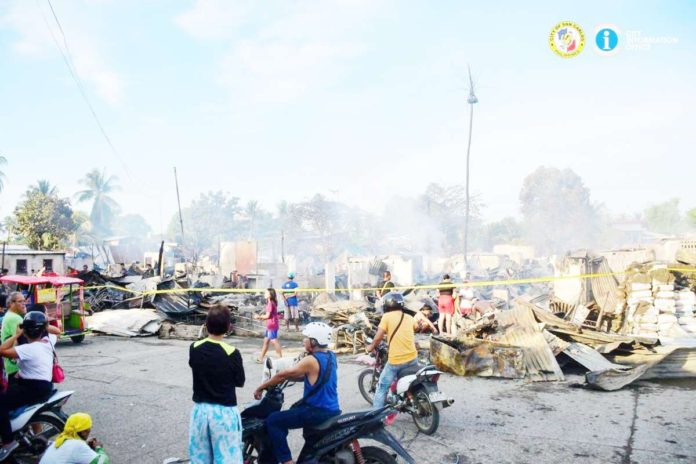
x=177 y=302
x=353 y=321
x=338 y=313
x=529 y=342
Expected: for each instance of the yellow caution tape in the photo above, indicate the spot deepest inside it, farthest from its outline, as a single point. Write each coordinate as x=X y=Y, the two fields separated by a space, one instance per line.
x=487 y=283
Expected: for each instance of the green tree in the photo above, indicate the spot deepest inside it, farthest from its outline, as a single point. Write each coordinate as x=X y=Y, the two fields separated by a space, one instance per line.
x=664 y=218
x=212 y=217
x=445 y=205
x=82 y=236
x=133 y=225
x=556 y=209
x=44 y=222
x=507 y=230
x=320 y=218
x=45 y=187
x=691 y=217
x=3 y=162
x=98 y=187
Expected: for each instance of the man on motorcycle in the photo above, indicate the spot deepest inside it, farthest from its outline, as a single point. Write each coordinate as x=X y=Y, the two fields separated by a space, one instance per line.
x=320 y=399
x=397 y=324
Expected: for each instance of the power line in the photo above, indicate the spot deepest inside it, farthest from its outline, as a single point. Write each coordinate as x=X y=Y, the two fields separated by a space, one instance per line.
x=67 y=58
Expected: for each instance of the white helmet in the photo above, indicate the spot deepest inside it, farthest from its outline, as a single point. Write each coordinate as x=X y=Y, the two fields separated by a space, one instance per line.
x=319 y=331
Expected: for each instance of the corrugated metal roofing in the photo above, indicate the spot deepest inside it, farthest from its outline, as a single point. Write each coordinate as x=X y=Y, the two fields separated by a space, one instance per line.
x=604 y=287
x=590 y=358
x=518 y=327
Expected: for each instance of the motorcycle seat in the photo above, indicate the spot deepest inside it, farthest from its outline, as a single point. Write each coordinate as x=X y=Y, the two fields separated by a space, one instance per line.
x=15 y=413
x=409 y=371
x=342 y=419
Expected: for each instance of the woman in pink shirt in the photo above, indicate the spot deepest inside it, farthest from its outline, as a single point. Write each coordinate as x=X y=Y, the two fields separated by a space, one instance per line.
x=272 y=325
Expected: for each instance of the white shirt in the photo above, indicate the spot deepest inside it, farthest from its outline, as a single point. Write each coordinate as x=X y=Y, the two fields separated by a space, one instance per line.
x=466 y=297
x=70 y=452
x=36 y=359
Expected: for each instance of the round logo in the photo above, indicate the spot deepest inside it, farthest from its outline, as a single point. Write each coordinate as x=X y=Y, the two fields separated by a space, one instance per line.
x=567 y=39
x=606 y=39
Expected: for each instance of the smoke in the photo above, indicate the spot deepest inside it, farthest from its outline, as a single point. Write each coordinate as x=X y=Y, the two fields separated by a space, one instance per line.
x=408 y=228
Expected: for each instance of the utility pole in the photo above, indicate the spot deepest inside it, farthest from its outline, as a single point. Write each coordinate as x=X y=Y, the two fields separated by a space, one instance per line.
x=282 y=246
x=178 y=200
x=471 y=100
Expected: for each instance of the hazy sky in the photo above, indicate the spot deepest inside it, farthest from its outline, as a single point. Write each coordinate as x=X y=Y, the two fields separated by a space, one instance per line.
x=359 y=100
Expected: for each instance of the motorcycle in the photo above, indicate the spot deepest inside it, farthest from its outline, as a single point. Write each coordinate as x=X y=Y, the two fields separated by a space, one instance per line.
x=335 y=441
x=34 y=425
x=414 y=391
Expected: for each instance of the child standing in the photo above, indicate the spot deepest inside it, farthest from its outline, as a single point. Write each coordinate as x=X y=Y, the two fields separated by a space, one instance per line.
x=272 y=325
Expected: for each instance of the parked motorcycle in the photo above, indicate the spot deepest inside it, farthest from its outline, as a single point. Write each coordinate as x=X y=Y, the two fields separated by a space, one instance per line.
x=33 y=426
x=415 y=391
x=336 y=441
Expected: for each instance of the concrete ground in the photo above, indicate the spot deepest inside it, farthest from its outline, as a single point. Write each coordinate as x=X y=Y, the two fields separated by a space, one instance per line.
x=138 y=392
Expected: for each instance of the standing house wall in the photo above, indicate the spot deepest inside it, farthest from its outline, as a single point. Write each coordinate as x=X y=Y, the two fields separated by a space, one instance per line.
x=35 y=262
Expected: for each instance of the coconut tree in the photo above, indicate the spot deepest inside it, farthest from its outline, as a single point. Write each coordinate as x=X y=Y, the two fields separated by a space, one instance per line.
x=43 y=186
x=98 y=187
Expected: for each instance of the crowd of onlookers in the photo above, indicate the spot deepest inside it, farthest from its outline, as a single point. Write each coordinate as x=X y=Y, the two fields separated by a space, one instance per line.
x=27 y=376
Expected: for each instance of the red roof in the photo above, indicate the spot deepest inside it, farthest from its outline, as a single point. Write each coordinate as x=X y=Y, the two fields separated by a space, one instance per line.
x=24 y=280
x=57 y=281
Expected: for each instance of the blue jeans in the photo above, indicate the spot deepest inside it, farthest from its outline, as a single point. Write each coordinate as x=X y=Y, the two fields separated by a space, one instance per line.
x=389 y=373
x=278 y=424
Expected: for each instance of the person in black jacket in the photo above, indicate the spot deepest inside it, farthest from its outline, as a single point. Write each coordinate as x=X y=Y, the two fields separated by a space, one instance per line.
x=215 y=434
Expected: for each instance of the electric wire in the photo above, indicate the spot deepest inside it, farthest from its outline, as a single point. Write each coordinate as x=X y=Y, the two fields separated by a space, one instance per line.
x=67 y=58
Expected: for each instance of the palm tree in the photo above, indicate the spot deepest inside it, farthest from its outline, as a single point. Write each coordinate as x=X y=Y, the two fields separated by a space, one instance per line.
x=2 y=174
x=99 y=186
x=43 y=186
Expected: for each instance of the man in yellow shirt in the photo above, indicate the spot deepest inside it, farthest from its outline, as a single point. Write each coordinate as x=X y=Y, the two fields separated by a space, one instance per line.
x=397 y=324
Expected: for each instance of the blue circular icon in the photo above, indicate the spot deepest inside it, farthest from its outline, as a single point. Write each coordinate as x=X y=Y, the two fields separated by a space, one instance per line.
x=607 y=39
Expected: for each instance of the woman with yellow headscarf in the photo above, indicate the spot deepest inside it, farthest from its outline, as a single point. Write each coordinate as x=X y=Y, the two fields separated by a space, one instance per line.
x=72 y=447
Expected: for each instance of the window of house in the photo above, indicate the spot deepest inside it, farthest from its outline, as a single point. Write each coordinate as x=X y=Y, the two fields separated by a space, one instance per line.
x=21 y=266
x=48 y=265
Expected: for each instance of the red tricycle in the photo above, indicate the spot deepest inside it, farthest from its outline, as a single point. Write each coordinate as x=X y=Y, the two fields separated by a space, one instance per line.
x=62 y=296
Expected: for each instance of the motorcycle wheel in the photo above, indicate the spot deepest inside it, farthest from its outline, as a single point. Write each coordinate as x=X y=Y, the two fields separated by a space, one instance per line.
x=77 y=338
x=367 y=383
x=426 y=415
x=375 y=455
x=50 y=426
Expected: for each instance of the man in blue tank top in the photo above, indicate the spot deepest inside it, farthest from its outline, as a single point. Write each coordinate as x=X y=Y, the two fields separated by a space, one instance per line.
x=320 y=399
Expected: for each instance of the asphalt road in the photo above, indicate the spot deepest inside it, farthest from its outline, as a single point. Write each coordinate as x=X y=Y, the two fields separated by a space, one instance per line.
x=138 y=392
